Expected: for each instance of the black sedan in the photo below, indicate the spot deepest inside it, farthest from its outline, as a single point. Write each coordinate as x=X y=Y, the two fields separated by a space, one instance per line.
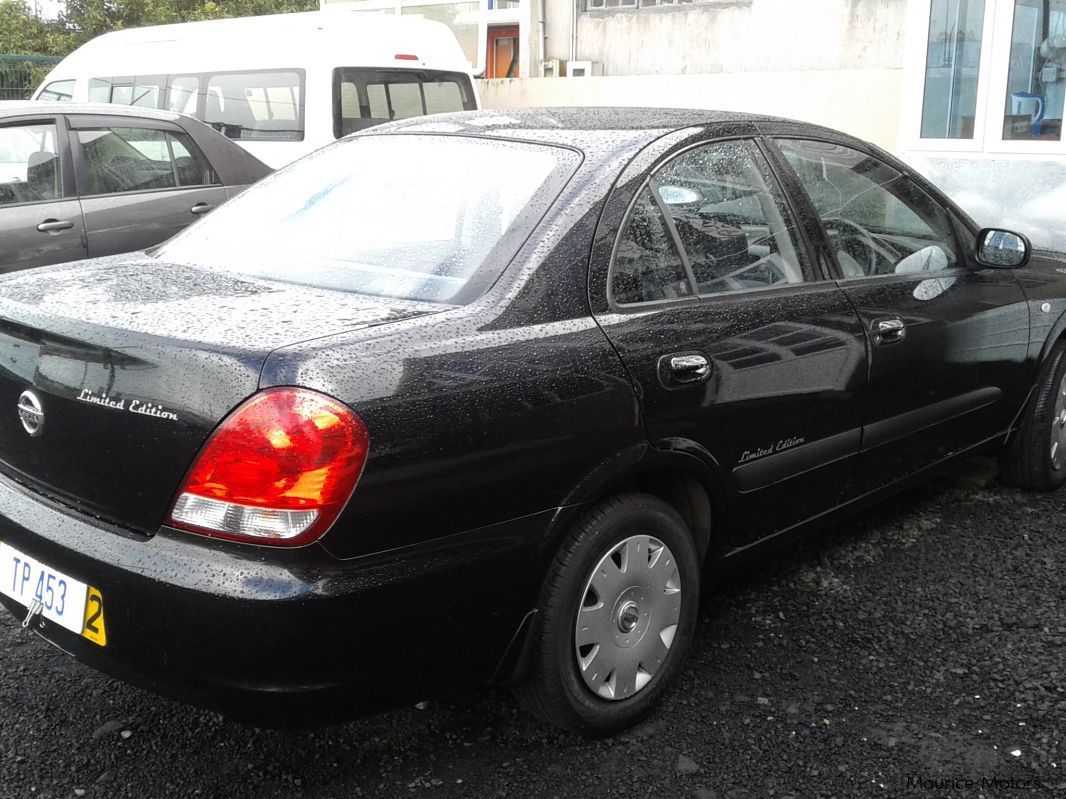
x=80 y=180
x=483 y=397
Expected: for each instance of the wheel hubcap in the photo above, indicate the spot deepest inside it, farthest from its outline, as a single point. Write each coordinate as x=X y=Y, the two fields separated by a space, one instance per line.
x=1058 y=428
x=629 y=612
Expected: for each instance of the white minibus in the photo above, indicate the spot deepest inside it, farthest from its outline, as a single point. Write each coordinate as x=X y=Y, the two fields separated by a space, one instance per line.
x=279 y=85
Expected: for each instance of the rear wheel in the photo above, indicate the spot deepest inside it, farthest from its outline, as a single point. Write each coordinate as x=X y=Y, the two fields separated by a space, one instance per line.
x=615 y=619
x=1038 y=460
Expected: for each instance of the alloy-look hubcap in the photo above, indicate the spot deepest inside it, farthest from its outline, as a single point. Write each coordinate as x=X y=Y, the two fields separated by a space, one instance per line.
x=629 y=612
x=1058 y=428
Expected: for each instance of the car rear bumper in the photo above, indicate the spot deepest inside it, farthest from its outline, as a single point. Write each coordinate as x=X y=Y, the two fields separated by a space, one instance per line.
x=281 y=637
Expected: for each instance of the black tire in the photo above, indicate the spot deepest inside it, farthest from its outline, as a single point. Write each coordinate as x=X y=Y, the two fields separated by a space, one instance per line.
x=1037 y=459
x=554 y=688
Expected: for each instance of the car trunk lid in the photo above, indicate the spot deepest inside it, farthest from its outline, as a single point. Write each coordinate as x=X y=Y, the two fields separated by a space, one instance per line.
x=114 y=372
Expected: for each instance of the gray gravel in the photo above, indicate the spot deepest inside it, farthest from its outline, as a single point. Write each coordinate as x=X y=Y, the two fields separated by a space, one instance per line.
x=919 y=642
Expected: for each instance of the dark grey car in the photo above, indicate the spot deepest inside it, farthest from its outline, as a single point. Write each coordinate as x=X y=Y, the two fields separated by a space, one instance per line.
x=80 y=181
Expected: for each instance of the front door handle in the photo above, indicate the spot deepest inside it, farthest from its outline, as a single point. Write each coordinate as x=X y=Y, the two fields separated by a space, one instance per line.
x=201 y=208
x=684 y=369
x=55 y=225
x=889 y=331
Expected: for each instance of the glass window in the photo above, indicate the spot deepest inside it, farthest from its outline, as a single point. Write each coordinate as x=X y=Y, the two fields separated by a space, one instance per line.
x=878 y=220
x=58 y=91
x=647 y=265
x=182 y=94
x=951 y=70
x=123 y=159
x=30 y=169
x=730 y=224
x=190 y=167
x=366 y=97
x=413 y=217
x=1036 y=79
x=262 y=106
x=99 y=90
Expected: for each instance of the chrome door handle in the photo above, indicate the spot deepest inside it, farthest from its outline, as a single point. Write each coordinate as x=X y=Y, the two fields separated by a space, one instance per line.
x=889 y=331
x=200 y=208
x=689 y=368
x=55 y=225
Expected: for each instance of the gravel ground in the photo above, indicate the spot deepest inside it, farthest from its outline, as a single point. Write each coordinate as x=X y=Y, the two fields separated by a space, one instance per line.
x=903 y=653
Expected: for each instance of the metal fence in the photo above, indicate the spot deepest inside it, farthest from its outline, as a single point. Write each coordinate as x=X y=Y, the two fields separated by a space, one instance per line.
x=20 y=74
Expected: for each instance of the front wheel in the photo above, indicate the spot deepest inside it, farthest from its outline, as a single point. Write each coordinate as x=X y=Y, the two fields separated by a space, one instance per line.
x=616 y=615
x=1038 y=459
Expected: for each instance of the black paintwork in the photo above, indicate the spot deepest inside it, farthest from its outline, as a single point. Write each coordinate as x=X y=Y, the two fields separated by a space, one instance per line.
x=493 y=426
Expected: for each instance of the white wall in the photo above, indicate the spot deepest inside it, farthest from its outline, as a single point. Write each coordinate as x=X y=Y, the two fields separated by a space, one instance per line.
x=863 y=102
x=734 y=36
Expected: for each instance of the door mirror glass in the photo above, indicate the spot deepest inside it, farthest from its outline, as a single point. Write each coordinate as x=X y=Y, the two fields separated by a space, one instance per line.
x=1002 y=249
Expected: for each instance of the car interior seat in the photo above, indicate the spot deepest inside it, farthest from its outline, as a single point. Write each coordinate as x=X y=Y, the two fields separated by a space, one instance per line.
x=42 y=175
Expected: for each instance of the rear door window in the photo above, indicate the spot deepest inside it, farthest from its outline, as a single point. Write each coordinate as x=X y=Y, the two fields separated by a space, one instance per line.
x=130 y=159
x=366 y=97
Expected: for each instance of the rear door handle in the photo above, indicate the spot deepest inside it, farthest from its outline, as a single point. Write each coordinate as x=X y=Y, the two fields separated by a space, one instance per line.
x=55 y=225
x=683 y=369
x=889 y=331
x=201 y=208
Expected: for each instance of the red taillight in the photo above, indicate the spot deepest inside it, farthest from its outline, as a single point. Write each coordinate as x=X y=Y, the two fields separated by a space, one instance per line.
x=277 y=471
x=405 y=57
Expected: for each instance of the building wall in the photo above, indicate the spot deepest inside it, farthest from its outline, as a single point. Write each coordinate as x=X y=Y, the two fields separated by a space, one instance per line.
x=733 y=36
x=863 y=102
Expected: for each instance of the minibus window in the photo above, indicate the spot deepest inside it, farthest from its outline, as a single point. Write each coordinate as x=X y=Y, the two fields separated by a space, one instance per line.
x=99 y=90
x=182 y=94
x=263 y=106
x=364 y=97
x=61 y=91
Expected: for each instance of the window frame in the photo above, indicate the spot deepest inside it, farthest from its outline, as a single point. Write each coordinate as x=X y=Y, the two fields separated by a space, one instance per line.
x=964 y=256
x=809 y=263
x=96 y=122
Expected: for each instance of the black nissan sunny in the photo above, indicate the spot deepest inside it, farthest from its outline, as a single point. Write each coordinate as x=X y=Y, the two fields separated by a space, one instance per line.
x=483 y=397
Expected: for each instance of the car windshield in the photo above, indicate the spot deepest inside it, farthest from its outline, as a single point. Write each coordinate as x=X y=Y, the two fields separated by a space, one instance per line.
x=409 y=216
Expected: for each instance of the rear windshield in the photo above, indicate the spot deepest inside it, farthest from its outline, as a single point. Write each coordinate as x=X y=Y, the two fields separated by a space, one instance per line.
x=420 y=217
x=365 y=97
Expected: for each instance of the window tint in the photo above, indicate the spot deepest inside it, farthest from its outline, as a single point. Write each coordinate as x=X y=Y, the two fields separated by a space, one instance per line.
x=123 y=159
x=366 y=97
x=263 y=106
x=29 y=164
x=878 y=220
x=61 y=91
x=724 y=229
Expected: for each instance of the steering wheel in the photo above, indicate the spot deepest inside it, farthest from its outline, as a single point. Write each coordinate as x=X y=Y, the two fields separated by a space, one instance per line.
x=855 y=240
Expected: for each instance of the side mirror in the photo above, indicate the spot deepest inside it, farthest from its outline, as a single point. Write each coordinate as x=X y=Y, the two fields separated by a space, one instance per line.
x=1002 y=249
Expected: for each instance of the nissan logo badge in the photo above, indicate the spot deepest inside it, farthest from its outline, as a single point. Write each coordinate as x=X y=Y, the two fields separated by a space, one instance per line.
x=30 y=413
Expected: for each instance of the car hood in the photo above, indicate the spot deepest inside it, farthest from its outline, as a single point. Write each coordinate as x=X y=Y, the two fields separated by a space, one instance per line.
x=133 y=363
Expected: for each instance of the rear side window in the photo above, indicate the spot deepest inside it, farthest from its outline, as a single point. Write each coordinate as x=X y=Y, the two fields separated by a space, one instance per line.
x=125 y=159
x=366 y=97
x=256 y=106
x=709 y=221
x=29 y=164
